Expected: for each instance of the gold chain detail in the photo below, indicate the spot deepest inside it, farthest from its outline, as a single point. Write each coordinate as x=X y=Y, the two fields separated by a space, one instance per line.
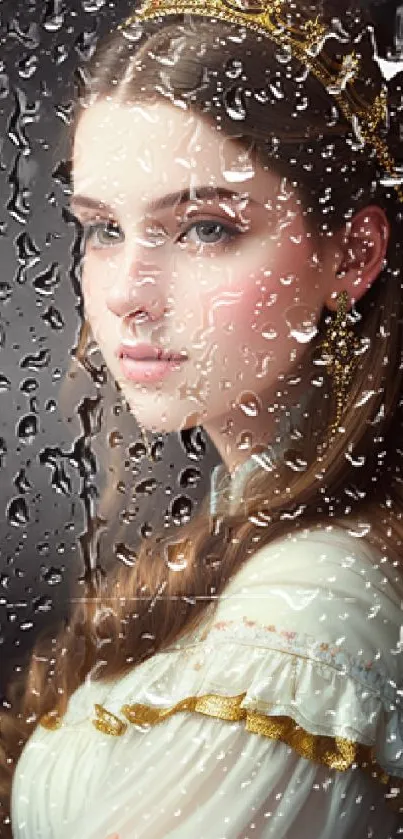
x=305 y=43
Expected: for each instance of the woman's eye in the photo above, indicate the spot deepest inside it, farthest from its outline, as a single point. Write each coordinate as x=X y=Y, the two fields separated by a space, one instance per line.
x=210 y=232
x=102 y=233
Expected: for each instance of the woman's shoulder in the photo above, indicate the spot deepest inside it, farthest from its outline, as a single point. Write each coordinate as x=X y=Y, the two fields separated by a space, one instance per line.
x=327 y=583
x=305 y=633
x=304 y=638
x=311 y=553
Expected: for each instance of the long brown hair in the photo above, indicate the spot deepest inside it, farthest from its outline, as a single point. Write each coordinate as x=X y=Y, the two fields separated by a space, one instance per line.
x=290 y=119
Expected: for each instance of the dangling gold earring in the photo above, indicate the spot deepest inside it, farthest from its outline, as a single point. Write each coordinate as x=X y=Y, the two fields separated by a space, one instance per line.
x=340 y=346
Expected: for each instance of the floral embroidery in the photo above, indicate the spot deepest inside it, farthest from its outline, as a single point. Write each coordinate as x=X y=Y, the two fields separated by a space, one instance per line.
x=304 y=647
x=289 y=635
x=244 y=638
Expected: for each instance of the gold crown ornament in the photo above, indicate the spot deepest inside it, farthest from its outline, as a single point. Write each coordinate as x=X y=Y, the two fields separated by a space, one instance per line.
x=305 y=42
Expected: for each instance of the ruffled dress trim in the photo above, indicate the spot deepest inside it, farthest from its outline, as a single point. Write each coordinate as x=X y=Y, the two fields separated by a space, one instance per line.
x=315 y=697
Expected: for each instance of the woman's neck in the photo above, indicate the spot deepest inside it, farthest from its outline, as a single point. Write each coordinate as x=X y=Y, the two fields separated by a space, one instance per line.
x=238 y=435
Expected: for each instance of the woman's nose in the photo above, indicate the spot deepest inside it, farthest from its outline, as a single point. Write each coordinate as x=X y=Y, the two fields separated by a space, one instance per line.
x=138 y=290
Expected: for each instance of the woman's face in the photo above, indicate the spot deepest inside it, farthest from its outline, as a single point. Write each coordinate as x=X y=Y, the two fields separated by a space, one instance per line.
x=195 y=249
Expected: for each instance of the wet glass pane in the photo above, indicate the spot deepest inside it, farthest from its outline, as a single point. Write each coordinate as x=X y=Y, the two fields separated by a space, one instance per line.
x=201 y=579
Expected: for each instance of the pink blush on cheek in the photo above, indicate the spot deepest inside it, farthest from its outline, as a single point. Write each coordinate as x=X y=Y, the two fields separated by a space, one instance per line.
x=232 y=306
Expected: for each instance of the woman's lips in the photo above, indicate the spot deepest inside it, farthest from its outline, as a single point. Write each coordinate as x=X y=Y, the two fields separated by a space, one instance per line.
x=146 y=363
x=148 y=352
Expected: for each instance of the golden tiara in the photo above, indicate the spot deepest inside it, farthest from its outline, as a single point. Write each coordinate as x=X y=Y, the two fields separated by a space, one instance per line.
x=305 y=42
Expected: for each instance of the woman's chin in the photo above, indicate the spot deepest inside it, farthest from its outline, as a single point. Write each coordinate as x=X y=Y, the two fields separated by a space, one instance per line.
x=156 y=418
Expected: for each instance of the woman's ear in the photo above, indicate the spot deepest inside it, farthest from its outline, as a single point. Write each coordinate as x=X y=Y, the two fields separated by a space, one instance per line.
x=362 y=255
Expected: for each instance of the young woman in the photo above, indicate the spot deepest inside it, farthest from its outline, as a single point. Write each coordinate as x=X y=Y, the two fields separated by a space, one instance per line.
x=234 y=179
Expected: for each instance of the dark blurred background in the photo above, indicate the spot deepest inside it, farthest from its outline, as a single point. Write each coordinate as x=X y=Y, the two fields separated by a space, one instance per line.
x=50 y=474
x=52 y=428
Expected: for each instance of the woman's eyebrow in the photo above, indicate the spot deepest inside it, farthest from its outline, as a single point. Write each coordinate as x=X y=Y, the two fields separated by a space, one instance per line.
x=170 y=200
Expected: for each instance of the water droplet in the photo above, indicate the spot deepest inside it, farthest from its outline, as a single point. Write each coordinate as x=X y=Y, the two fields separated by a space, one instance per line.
x=5 y=383
x=293 y=513
x=235 y=103
x=29 y=385
x=188 y=477
x=42 y=604
x=85 y=45
x=52 y=576
x=181 y=509
x=115 y=439
x=21 y=482
x=5 y=291
x=146 y=530
x=357 y=462
x=26 y=625
x=294 y=460
x=36 y=361
x=137 y=450
x=93 y=5
x=233 y=68
x=54 y=17
x=261 y=96
x=269 y=331
x=250 y=404
x=146 y=487
x=125 y=554
x=193 y=441
x=4 y=85
x=175 y=557
x=53 y=318
x=28 y=428
x=28 y=254
x=60 y=53
x=299 y=320
x=239 y=172
x=28 y=66
x=53 y=457
x=366 y=396
x=360 y=531
x=157 y=450
x=3 y=451
x=29 y=36
x=61 y=482
x=17 y=512
x=46 y=282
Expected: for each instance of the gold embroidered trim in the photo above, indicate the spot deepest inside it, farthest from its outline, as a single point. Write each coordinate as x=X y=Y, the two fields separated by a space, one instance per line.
x=51 y=721
x=335 y=752
x=107 y=722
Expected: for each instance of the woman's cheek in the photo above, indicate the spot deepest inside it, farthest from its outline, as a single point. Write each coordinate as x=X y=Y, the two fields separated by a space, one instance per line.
x=231 y=305
x=231 y=314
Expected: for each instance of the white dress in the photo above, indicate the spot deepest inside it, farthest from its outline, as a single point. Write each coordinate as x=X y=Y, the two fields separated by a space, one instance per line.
x=281 y=717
